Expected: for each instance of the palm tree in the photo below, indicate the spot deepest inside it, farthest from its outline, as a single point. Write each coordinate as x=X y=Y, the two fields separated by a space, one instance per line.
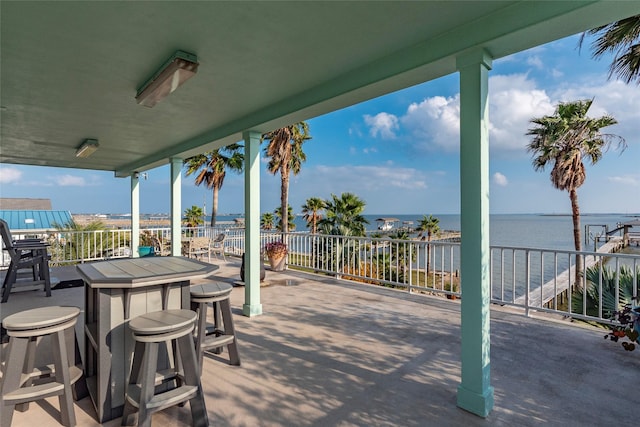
x=84 y=241
x=285 y=155
x=343 y=218
x=612 y=284
x=311 y=213
x=623 y=39
x=193 y=216
x=400 y=255
x=211 y=168
x=291 y=225
x=346 y=212
x=430 y=225
x=564 y=140
x=266 y=221
x=338 y=252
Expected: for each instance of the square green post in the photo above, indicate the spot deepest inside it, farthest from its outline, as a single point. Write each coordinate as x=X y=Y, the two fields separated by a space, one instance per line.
x=475 y=393
x=135 y=215
x=176 y=206
x=252 y=259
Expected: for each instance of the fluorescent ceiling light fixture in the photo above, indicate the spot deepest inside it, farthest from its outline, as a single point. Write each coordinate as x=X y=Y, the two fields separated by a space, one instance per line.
x=173 y=73
x=88 y=147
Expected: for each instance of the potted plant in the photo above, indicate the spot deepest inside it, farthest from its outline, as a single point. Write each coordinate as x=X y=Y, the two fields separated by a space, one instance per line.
x=628 y=327
x=451 y=287
x=146 y=244
x=277 y=254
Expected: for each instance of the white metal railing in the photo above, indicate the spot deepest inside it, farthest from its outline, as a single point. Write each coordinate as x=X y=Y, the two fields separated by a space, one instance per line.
x=528 y=278
x=532 y=279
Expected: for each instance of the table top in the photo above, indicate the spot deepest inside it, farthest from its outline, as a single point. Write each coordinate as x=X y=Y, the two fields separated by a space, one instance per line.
x=140 y=272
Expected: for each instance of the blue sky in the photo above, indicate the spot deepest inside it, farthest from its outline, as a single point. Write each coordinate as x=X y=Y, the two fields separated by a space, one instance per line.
x=400 y=152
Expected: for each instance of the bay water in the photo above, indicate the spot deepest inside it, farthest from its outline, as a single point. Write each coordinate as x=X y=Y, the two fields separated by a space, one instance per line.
x=541 y=231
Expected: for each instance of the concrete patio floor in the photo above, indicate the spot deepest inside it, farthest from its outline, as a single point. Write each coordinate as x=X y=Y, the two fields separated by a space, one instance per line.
x=332 y=353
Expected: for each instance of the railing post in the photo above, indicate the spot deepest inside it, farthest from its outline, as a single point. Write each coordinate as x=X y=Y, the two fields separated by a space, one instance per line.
x=527 y=277
x=410 y=266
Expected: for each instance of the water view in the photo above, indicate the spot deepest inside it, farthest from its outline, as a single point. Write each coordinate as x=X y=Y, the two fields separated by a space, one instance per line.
x=523 y=230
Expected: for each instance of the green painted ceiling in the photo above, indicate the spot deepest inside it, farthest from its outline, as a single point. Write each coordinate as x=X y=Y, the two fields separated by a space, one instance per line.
x=70 y=70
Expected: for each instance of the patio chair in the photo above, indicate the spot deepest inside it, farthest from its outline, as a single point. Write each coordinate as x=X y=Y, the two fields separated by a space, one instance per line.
x=198 y=247
x=24 y=254
x=161 y=247
x=217 y=245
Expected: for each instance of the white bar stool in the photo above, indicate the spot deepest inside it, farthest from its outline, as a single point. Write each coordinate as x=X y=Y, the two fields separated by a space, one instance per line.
x=149 y=331
x=222 y=333
x=24 y=329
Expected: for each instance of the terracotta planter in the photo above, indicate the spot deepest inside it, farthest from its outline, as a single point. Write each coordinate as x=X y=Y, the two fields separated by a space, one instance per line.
x=278 y=263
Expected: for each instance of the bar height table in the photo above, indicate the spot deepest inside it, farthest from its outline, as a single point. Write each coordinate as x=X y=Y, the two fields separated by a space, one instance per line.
x=119 y=290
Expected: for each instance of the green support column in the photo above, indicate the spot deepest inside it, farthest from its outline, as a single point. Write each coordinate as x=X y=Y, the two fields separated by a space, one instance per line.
x=135 y=215
x=252 y=259
x=176 y=206
x=475 y=393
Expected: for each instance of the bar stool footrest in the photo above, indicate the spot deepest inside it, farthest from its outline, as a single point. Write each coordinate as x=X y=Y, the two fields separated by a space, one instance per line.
x=41 y=391
x=75 y=373
x=29 y=394
x=163 y=400
x=39 y=372
x=168 y=374
x=218 y=341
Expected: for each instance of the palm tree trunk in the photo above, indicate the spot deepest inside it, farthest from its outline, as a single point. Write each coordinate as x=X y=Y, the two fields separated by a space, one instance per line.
x=284 y=197
x=428 y=253
x=575 y=211
x=214 y=208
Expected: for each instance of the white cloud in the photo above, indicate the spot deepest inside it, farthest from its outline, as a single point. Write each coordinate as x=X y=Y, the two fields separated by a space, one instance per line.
x=613 y=98
x=355 y=131
x=514 y=99
x=356 y=178
x=535 y=61
x=556 y=74
x=631 y=180
x=9 y=175
x=383 y=124
x=386 y=188
x=70 y=181
x=500 y=179
x=434 y=123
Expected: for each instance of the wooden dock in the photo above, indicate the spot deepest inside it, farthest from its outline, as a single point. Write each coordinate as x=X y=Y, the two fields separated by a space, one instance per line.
x=447 y=236
x=562 y=283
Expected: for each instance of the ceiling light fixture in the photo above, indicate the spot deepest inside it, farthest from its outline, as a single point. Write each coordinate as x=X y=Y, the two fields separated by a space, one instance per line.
x=88 y=147
x=173 y=73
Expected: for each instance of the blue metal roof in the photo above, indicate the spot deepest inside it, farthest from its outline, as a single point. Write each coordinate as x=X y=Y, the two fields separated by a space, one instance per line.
x=34 y=220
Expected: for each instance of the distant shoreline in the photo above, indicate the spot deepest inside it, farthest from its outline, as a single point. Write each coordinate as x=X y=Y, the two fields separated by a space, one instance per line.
x=625 y=215
x=122 y=221
x=84 y=219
